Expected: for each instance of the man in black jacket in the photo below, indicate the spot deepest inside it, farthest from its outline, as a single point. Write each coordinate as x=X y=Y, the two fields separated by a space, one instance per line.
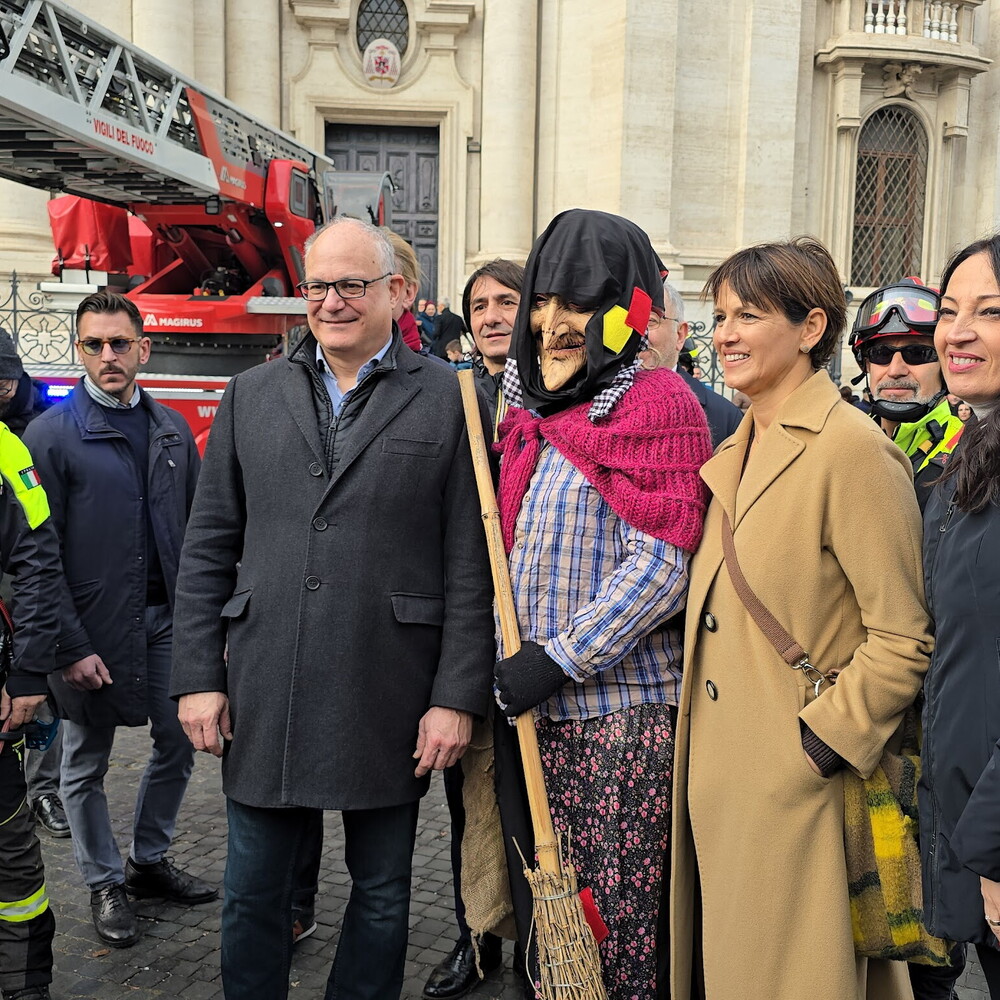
x=120 y=471
x=489 y=305
x=41 y=767
x=29 y=553
x=447 y=327
x=334 y=615
x=667 y=335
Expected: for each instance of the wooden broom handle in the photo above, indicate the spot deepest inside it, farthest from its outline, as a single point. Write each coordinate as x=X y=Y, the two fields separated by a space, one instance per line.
x=538 y=801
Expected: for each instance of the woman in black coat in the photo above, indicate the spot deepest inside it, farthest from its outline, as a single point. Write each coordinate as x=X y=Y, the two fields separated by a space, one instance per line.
x=960 y=785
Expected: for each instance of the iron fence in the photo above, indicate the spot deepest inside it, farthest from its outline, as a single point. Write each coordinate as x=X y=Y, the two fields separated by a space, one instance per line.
x=705 y=357
x=708 y=361
x=43 y=333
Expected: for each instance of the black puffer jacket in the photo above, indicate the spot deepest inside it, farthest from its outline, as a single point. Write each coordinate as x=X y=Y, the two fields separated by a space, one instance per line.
x=960 y=785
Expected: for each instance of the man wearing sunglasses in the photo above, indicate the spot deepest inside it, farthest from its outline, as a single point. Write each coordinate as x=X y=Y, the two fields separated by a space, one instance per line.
x=120 y=471
x=893 y=343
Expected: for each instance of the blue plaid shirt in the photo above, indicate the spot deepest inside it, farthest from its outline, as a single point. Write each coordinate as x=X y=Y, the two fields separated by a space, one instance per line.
x=596 y=592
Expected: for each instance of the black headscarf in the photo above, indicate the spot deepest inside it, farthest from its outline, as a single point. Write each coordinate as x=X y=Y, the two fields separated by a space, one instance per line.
x=596 y=261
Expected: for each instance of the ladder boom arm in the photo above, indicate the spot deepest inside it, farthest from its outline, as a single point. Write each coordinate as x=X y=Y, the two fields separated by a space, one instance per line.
x=84 y=111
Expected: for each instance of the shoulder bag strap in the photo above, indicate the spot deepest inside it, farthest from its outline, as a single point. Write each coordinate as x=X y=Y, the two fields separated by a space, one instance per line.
x=787 y=648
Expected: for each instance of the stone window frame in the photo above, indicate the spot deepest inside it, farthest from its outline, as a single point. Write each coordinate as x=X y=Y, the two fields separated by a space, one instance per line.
x=931 y=77
x=331 y=87
x=404 y=53
x=919 y=233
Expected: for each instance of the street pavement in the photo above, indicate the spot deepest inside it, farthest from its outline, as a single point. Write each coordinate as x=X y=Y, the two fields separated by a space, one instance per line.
x=178 y=955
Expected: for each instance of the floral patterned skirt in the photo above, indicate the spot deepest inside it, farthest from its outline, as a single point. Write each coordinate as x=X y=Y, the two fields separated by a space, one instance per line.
x=609 y=781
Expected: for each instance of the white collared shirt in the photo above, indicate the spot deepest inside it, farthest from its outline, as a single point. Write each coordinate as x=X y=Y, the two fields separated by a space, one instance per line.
x=98 y=395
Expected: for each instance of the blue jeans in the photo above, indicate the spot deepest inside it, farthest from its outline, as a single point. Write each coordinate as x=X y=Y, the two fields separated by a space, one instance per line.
x=264 y=845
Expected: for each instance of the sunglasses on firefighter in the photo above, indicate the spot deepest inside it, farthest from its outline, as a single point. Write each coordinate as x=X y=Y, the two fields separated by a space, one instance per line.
x=93 y=346
x=913 y=354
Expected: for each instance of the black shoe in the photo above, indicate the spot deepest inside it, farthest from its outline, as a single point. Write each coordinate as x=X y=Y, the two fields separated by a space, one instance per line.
x=113 y=917
x=303 y=922
x=303 y=926
x=51 y=816
x=165 y=880
x=28 y=993
x=457 y=974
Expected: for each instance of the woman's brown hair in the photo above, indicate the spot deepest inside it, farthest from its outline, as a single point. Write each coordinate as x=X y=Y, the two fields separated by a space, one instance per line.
x=792 y=278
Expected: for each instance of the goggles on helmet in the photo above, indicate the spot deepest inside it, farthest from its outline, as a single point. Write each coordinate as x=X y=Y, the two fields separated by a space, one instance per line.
x=915 y=305
x=896 y=310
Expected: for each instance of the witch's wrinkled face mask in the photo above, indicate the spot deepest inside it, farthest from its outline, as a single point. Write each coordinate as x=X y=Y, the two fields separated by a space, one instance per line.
x=560 y=329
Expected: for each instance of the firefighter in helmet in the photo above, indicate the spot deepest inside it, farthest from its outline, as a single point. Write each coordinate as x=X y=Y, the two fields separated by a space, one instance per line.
x=893 y=343
x=29 y=553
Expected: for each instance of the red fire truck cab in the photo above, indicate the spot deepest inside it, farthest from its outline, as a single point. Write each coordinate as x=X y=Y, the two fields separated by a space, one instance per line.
x=195 y=210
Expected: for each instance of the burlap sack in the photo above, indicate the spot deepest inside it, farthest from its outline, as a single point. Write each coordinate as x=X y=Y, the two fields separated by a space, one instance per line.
x=485 y=886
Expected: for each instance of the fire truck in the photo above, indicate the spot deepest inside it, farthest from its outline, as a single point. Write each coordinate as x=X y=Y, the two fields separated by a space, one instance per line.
x=194 y=209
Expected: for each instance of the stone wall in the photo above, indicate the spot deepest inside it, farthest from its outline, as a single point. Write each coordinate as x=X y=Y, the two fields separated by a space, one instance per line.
x=711 y=130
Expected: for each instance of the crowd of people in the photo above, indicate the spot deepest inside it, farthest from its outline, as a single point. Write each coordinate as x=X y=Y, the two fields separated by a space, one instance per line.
x=725 y=612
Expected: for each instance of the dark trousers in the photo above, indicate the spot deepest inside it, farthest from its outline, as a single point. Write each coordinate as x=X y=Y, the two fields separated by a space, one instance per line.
x=261 y=873
x=931 y=982
x=515 y=822
x=305 y=885
x=454 y=779
x=26 y=920
x=989 y=959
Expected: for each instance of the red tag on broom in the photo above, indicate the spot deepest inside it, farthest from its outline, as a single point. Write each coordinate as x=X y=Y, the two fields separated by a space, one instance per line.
x=593 y=918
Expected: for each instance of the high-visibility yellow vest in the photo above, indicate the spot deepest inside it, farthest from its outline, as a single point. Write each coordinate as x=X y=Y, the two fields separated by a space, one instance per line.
x=918 y=441
x=18 y=470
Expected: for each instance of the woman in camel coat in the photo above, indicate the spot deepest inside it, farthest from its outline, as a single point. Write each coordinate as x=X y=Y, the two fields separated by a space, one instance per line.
x=827 y=534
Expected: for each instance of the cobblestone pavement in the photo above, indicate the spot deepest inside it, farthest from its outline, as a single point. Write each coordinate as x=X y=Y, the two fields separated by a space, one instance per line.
x=178 y=955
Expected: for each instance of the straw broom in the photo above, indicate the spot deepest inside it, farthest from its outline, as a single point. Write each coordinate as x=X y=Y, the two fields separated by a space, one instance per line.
x=568 y=960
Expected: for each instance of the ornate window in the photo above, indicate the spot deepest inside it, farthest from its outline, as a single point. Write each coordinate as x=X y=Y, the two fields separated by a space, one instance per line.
x=889 y=194
x=383 y=19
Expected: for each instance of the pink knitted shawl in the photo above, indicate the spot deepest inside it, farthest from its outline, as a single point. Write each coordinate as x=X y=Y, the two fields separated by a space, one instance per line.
x=643 y=458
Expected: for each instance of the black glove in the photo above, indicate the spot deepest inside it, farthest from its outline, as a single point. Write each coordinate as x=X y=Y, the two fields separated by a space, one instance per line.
x=526 y=679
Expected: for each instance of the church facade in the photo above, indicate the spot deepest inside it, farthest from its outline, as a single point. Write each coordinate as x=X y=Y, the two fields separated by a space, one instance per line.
x=871 y=124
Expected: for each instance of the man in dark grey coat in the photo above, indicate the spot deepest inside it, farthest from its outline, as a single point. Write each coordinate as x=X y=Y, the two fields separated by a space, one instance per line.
x=120 y=472
x=334 y=622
